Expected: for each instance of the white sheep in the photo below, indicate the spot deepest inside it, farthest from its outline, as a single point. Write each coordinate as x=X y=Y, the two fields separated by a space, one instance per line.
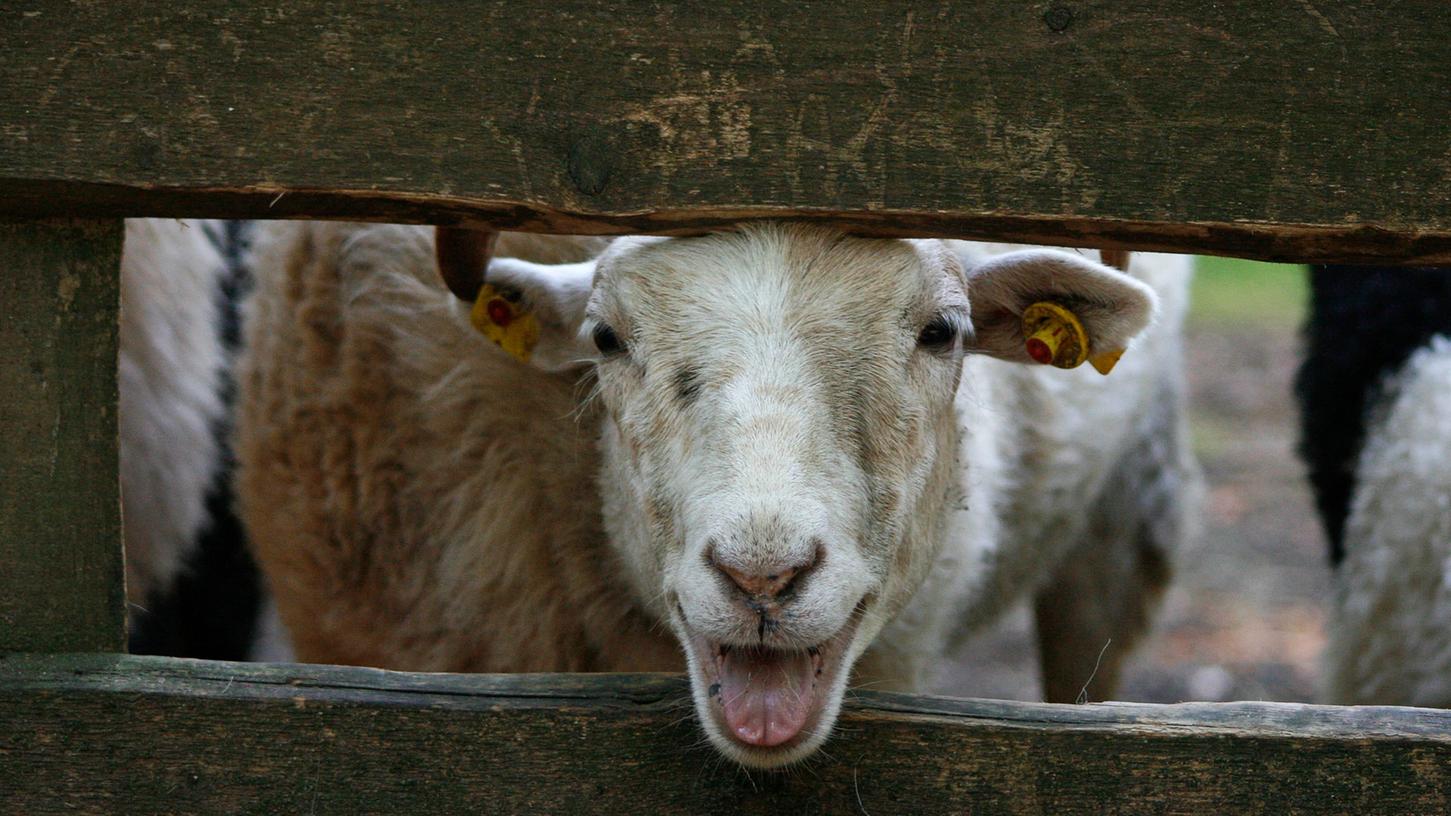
x=776 y=456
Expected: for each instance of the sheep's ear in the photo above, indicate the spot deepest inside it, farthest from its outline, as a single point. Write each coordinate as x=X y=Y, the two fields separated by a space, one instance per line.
x=532 y=311
x=535 y=311
x=1111 y=307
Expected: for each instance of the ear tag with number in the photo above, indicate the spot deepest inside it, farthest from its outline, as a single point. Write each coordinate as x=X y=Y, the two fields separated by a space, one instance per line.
x=1055 y=336
x=501 y=317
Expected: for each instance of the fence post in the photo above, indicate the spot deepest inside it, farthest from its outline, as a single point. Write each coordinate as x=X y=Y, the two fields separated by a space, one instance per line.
x=61 y=581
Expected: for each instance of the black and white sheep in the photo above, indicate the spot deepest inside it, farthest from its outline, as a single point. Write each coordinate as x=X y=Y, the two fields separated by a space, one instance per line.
x=191 y=585
x=1375 y=402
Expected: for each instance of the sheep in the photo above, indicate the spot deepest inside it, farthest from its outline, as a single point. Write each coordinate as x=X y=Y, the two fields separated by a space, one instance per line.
x=191 y=587
x=1374 y=392
x=775 y=457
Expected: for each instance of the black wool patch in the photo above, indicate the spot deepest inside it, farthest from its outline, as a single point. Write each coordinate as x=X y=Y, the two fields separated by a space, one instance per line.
x=1364 y=323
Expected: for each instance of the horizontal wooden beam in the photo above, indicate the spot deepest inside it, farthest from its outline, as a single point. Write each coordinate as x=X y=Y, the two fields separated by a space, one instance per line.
x=1285 y=131
x=61 y=584
x=118 y=734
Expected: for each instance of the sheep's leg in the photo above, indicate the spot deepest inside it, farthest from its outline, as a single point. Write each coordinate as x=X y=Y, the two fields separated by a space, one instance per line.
x=1093 y=612
x=1097 y=605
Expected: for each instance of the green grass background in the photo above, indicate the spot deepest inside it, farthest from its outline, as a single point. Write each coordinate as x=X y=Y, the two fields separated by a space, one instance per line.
x=1230 y=292
x=1261 y=303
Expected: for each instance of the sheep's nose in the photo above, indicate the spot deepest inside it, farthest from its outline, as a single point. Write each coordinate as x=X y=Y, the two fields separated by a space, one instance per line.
x=767 y=581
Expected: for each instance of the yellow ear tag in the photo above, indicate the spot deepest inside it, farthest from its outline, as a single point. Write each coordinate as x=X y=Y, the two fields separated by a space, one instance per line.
x=504 y=320
x=1054 y=335
x=1105 y=361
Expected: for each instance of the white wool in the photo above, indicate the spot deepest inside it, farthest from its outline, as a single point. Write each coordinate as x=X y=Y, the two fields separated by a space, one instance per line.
x=169 y=368
x=1389 y=639
x=1052 y=452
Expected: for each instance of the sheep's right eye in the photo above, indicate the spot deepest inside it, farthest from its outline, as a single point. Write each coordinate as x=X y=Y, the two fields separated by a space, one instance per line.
x=606 y=340
x=939 y=333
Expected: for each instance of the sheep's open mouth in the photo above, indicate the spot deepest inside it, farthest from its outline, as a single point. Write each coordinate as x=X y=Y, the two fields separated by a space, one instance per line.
x=769 y=700
x=766 y=695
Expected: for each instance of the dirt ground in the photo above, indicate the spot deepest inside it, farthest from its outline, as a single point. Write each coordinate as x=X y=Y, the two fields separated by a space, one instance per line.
x=1244 y=617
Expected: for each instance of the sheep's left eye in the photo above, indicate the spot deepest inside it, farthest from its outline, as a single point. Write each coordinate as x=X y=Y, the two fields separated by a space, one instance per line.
x=940 y=332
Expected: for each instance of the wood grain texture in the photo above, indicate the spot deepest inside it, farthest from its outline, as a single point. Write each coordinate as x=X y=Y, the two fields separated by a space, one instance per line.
x=61 y=584
x=1298 y=130
x=118 y=734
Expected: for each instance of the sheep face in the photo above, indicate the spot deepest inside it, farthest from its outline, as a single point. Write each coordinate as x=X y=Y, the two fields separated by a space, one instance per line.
x=780 y=443
x=777 y=401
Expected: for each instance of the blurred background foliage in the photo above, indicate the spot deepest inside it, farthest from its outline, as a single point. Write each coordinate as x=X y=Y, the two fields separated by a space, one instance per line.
x=1230 y=291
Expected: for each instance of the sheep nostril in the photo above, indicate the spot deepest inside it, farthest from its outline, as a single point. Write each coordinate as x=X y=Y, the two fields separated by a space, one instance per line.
x=768 y=581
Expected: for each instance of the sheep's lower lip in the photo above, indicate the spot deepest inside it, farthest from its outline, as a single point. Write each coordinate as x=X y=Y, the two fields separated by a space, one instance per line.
x=768 y=701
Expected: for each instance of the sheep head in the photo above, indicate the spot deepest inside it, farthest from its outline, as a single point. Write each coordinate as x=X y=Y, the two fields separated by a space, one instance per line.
x=780 y=439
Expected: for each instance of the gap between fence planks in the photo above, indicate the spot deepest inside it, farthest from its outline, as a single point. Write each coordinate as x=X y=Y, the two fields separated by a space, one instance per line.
x=1287 y=131
x=111 y=734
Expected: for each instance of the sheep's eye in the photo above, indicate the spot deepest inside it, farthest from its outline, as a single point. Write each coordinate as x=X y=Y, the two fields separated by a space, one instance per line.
x=606 y=340
x=938 y=333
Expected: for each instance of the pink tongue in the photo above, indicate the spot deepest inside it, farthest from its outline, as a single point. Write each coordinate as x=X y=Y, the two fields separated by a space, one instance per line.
x=767 y=694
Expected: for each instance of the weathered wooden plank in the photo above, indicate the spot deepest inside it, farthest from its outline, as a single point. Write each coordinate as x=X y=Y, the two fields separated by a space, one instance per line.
x=60 y=515
x=111 y=734
x=1299 y=130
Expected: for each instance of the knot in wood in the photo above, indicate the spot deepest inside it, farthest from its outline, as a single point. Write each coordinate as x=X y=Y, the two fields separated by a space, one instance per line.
x=591 y=163
x=1058 y=17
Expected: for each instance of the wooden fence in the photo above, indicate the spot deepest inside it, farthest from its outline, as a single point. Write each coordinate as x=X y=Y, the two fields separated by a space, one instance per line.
x=1301 y=130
